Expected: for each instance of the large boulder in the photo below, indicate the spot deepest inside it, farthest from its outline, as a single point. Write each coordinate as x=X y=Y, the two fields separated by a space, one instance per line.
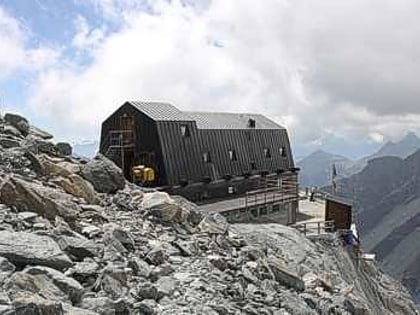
x=67 y=285
x=64 y=148
x=34 y=304
x=21 y=282
x=105 y=176
x=19 y=122
x=22 y=249
x=40 y=133
x=285 y=276
x=32 y=196
x=214 y=223
x=163 y=207
x=78 y=247
x=38 y=145
x=75 y=185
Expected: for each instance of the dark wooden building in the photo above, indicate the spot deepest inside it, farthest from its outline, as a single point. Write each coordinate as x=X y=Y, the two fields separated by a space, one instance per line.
x=192 y=148
x=338 y=210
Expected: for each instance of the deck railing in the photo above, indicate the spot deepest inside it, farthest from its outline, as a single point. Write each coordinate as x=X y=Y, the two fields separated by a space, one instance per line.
x=283 y=189
x=315 y=227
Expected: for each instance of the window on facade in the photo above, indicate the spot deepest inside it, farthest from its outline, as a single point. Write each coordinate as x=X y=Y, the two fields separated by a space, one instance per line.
x=206 y=157
x=232 y=155
x=185 y=131
x=283 y=151
x=267 y=153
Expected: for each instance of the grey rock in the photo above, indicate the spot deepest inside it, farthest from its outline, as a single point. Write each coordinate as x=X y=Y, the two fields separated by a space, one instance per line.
x=101 y=305
x=214 y=223
x=146 y=290
x=113 y=287
x=104 y=175
x=120 y=235
x=27 y=216
x=19 y=122
x=7 y=142
x=140 y=267
x=6 y=266
x=166 y=286
x=12 y=131
x=285 y=276
x=163 y=207
x=23 y=249
x=146 y=307
x=156 y=256
x=46 y=201
x=69 y=286
x=21 y=282
x=64 y=148
x=85 y=272
x=40 y=133
x=38 y=145
x=218 y=261
x=71 y=310
x=26 y=303
x=78 y=247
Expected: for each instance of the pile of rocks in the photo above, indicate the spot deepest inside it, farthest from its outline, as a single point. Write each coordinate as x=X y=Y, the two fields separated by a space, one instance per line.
x=76 y=238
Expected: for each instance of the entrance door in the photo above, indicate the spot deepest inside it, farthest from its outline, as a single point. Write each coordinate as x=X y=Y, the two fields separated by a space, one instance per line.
x=127 y=136
x=127 y=129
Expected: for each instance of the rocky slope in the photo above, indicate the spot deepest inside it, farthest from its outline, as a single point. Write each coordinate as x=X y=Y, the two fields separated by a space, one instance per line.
x=75 y=238
x=387 y=194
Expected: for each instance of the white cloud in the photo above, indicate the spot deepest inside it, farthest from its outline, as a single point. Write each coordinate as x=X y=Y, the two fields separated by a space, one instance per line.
x=15 y=53
x=320 y=67
x=85 y=37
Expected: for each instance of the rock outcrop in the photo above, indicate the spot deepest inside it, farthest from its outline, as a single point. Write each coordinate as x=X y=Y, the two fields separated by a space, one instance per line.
x=75 y=238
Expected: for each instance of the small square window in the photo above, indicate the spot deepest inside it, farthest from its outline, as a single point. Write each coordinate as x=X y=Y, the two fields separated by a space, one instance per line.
x=283 y=151
x=185 y=131
x=267 y=153
x=206 y=157
x=232 y=155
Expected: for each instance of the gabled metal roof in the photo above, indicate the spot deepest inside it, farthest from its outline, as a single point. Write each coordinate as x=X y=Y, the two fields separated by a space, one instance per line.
x=205 y=120
x=231 y=121
x=161 y=111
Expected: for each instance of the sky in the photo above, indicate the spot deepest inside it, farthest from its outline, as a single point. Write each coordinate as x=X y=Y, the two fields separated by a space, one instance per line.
x=339 y=75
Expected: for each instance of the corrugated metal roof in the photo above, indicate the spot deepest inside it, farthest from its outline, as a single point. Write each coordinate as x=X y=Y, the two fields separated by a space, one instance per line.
x=161 y=111
x=205 y=120
x=231 y=121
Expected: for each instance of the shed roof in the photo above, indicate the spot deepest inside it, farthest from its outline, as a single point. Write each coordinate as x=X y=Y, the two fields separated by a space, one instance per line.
x=205 y=120
x=339 y=199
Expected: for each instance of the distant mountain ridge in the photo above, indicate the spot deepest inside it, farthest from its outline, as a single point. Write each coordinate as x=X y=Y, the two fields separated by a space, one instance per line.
x=317 y=167
x=86 y=149
x=387 y=195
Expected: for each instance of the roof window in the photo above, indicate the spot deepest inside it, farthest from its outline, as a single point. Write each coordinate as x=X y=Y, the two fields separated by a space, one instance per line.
x=251 y=123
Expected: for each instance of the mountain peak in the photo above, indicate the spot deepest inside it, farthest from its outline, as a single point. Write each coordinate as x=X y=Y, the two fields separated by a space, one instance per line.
x=411 y=137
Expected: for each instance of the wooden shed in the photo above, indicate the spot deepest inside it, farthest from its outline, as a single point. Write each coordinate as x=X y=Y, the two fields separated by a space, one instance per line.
x=194 y=147
x=339 y=210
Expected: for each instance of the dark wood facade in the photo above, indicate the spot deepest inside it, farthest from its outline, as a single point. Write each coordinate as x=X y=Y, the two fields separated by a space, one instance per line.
x=338 y=210
x=183 y=150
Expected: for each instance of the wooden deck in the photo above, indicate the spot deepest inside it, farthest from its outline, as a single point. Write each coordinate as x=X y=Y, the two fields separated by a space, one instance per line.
x=241 y=203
